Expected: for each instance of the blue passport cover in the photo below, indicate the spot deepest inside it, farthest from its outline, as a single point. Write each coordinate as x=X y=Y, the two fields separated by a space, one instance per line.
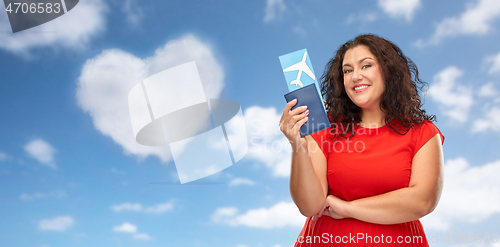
x=308 y=96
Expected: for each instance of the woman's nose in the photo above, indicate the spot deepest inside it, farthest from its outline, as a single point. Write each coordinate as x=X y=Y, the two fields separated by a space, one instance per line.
x=356 y=76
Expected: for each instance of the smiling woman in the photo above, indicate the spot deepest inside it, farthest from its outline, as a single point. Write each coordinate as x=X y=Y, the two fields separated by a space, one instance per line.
x=371 y=176
x=362 y=74
x=369 y=59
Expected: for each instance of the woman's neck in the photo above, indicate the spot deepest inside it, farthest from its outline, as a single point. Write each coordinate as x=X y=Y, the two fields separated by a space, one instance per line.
x=372 y=118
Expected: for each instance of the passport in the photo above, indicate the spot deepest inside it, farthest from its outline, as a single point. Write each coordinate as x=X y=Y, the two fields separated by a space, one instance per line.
x=302 y=84
x=308 y=96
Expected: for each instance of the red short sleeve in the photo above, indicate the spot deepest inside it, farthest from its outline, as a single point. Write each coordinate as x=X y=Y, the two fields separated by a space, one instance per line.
x=324 y=142
x=424 y=133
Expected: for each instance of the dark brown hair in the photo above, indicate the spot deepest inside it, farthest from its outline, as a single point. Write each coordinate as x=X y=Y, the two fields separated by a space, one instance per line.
x=400 y=100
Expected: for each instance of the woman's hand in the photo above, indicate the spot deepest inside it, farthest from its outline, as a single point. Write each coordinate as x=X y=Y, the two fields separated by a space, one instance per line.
x=291 y=121
x=334 y=207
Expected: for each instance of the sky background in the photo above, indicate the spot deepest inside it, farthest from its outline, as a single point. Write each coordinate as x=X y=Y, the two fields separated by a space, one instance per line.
x=72 y=175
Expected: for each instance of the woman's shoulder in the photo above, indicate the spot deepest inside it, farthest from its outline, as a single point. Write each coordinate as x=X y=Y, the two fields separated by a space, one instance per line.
x=422 y=132
x=426 y=125
x=416 y=125
x=417 y=134
x=418 y=129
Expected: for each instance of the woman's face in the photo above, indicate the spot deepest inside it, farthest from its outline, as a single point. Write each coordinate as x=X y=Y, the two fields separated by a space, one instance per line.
x=363 y=80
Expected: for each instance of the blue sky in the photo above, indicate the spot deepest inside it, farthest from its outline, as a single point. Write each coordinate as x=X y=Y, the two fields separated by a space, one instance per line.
x=70 y=175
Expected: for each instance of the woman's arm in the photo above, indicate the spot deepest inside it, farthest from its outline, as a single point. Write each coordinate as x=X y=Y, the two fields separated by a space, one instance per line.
x=308 y=182
x=406 y=204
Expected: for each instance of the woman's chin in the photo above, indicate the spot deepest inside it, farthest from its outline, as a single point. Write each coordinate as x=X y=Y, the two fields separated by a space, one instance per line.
x=365 y=105
x=362 y=104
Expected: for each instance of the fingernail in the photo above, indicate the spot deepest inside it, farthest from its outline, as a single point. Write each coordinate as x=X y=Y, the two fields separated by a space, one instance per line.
x=306 y=117
x=294 y=100
x=304 y=107
x=306 y=112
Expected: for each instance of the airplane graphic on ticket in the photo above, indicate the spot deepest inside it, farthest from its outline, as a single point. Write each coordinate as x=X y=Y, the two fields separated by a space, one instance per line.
x=301 y=67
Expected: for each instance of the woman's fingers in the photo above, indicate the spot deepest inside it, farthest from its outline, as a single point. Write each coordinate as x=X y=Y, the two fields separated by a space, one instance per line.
x=335 y=209
x=302 y=121
x=324 y=211
x=284 y=115
x=321 y=212
x=298 y=110
x=315 y=217
x=289 y=105
x=335 y=215
x=295 y=119
x=287 y=110
x=289 y=119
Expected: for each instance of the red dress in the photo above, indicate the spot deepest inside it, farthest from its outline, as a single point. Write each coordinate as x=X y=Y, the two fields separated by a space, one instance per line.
x=373 y=162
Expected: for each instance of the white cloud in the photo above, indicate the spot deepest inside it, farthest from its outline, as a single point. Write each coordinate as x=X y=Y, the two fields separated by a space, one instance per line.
x=38 y=195
x=495 y=63
x=61 y=223
x=364 y=17
x=160 y=208
x=237 y=135
x=137 y=207
x=491 y=121
x=267 y=144
x=454 y=99
x=280 y=215
x=133 y=11
x=471 y=194
x=274 y=10
x=476 y=20
x=106 y=80
x=3 y=156
x=131 y=229
x=222 y=213
x=241 y=181
x=30 y=197
x=73 y=30
x=397 y=8
x=42 y=151
x=125 y=227
x=299 y=31
x=488 y=90
x=142 y=236
x=116 y=171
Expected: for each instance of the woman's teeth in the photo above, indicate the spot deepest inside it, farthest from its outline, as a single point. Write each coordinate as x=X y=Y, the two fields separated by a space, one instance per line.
x=360 y=87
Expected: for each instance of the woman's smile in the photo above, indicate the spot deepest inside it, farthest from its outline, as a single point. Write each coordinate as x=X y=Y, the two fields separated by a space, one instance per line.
x=358 y=88
x=363 y=80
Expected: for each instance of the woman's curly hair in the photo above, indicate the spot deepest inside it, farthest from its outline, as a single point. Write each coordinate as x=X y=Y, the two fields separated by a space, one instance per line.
x=400 y=100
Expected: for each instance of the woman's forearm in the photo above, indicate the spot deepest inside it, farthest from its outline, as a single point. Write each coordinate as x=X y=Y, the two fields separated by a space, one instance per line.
x=398 y=206
x=305 y=187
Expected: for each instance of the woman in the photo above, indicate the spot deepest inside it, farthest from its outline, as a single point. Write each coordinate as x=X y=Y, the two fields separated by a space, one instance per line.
x=370 y=177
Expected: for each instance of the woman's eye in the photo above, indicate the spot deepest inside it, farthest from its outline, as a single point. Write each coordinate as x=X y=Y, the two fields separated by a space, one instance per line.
x=347 y=71
x=366 y=66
